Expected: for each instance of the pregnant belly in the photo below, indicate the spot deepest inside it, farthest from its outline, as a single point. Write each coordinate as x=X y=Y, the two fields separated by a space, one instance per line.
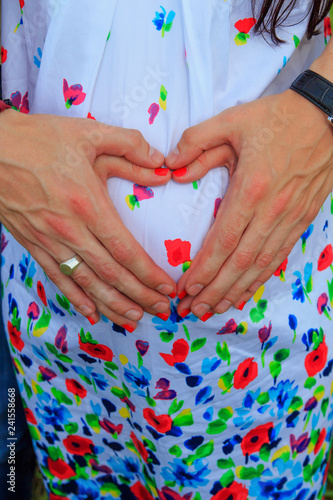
x=170 y=221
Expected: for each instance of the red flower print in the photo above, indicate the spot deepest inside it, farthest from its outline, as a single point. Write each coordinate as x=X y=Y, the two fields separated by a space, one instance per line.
x=33 y=311
x=168 y=494
x=299 y=445
x=110 y=427
x=142 y=346
x=140 y=447
x=76 y=388
x=264 y=333
x=15 y=337
x=244 y=26
x=235 y=491
x=59 y=468
x=281 y=269
x=47 y=373
x=41 y=293
x=327 y=27
x=30 y=416
x=78 y=445
x=20 y=103
x=3 y=55
x=254 y=439
x=178 y=251
x=60 y=341
x=321 y=439
x=230 y=327
x=91 y=116
x=57 y=497
x=325 y=258
x=21 y=4
x=73 y=95
x=245 y=373
x=178 y=354
x=140 y=492
x=162 y=423
x=315 y=361
x=97 y=350
x=322 y=303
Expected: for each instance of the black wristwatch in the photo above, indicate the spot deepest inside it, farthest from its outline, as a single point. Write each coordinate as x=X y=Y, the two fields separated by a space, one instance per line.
x=316 y=89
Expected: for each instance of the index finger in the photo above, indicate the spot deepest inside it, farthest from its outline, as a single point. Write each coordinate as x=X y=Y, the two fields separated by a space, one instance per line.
x=206 y=135
x=129 y=143
x=222 y=239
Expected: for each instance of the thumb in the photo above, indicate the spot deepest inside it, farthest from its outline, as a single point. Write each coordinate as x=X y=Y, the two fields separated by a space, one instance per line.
x=206 y=135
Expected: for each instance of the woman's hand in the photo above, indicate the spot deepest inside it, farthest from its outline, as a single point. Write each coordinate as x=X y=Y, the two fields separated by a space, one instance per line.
x=56 y=206
x=280 y=152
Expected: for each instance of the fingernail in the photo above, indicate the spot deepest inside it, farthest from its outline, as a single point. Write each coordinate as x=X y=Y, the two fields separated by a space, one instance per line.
x=129 y=328
x=162 y=171
x=201 y=309
x=173 y=156
x=91 y=320
x=179 y=173
x=163 y=316
x=185 y=313
x=182 y=294
x=195 y=289
x=133 y=314
x=86 y=310
x=161 y=307
x=172 y=295
x=241 y=306
x=223 y=306
x=156 y=156
x=206 y=316
x=165 y=289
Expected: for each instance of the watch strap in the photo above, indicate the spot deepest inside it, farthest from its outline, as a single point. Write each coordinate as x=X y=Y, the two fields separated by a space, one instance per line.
x=316 y=89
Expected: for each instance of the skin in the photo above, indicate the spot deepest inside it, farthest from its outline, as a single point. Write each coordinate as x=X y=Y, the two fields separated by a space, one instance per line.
x=276 y=190
x=279 y=150
x=53 y=199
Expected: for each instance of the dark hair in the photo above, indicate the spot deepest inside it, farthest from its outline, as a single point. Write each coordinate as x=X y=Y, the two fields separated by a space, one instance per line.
x=274 y=13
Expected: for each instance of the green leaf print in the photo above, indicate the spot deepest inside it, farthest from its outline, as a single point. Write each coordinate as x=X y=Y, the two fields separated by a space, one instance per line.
x=42 y=324
x=223 y=352
x=247 y=473
x=64 y=303
x=185 y=418
x=175 y=450
x=61 y=397
x=175 y=406
x=275 y=369
x=227 y=479
x=198 y=344
x=166 y=336
x=223 y=463
x=216 y=427
x=281 y=355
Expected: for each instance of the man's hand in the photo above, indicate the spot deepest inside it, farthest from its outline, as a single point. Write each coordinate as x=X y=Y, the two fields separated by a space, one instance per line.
x=280 y=153
x=54 y=201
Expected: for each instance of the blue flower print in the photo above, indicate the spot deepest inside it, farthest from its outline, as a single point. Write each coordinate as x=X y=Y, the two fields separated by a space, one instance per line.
x=51 y=412
x=162 y=21
x=139 y=379
x=171 y=325
x=283 y=394
x=184 y=476
x=129 y=467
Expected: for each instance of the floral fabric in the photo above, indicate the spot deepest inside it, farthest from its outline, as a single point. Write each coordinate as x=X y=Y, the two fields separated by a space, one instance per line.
x=239 y=407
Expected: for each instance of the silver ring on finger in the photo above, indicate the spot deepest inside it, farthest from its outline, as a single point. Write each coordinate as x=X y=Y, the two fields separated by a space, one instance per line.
x=68 y=266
